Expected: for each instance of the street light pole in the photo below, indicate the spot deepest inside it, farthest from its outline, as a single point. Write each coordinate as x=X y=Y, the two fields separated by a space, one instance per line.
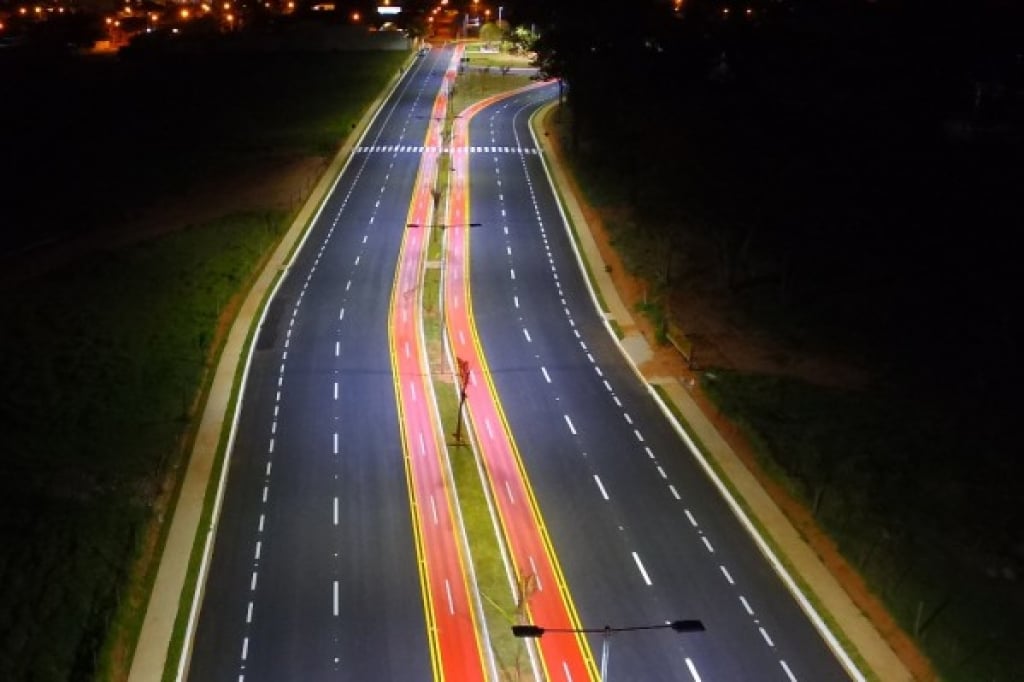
x=529 y=630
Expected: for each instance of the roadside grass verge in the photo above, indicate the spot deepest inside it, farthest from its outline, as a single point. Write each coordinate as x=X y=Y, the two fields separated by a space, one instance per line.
x=107 y=359
x=903 y=496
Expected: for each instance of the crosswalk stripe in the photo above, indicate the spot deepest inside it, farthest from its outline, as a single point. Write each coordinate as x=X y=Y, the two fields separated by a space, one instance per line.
x=392 y=148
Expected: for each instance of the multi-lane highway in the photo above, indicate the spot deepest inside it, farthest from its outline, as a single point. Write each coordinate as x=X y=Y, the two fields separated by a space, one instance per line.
x=314 y=573
x=337 y=552
x=642 y=535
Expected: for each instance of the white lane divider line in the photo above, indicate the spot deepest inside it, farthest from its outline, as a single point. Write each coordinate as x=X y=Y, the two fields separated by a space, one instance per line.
x=693 y=670
x=262 y=520
x=569 y=422
x=643 y=571
x=337 y=348
x=746 y=605
x=245 y=648
x=662 y=473
x=604 y=493
x=526 y=333
x=725 y=572
x=638 y=435
x=335 y=598
x=270 y=448
x=508 y=491
x=266 y=491
x=341 y=315
x=252 y=582
x=259 y=549
x=451 y=601
x=335 y=390
x=335 y=443
x=547 y=377
x=785 y=669
x=693 y=521
x=764 y=633
x=423 y=444
x=335 y=511
x=675 y=493
x=433 y=509
x=248 y=613
x=487 y=426
x=267 y=471
x=707 y=543
x=565 y=669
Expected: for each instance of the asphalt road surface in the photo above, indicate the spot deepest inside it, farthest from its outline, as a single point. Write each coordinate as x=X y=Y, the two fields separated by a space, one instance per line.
x=314 y=570
x=642 y=535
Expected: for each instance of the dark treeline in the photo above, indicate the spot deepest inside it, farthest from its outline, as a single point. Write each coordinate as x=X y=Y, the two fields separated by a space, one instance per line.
x=857 y=163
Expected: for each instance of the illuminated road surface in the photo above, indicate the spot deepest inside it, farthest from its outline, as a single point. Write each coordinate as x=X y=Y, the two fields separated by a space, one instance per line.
x=452 y=610
x=536 y=568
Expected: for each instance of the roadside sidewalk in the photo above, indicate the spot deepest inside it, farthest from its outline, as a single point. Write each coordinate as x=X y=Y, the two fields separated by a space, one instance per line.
x=785 y=541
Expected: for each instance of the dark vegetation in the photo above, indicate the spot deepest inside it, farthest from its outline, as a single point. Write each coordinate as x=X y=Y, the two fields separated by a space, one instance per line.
x=95 y=139
x=105 y=358
x=845 y=175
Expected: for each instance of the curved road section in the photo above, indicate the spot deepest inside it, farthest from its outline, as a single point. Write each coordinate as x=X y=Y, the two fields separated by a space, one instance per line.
x=643 y=536
x=544 y=596
x=448 y=590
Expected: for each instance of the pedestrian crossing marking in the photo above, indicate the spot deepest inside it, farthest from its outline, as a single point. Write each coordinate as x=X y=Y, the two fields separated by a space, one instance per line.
x=402 y=149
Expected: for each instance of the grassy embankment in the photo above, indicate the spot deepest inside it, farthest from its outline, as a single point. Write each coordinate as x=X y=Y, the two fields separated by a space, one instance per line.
x=912 y=480
x=106 y=358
